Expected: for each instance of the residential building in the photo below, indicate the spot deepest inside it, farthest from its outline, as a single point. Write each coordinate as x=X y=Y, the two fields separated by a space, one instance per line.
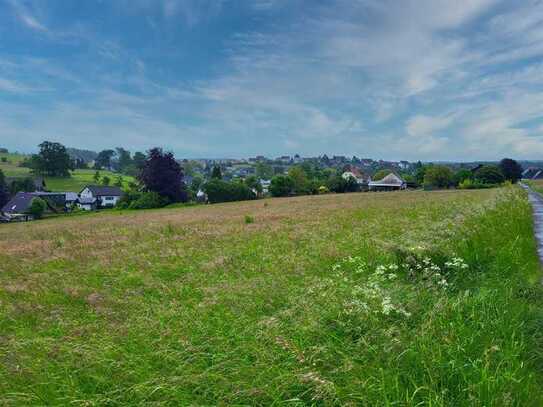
x=391 y=182
x=99 y=196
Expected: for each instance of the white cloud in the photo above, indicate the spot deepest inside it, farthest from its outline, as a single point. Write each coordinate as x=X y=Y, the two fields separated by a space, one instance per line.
x=421 y=125
x=25 y=16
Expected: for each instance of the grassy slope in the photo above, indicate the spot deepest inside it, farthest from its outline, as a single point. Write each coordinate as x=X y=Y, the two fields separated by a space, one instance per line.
x=81 y=178
x=75 y=183
x=194 y=306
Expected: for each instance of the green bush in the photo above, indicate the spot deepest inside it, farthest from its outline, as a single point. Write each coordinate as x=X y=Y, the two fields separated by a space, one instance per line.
x=37 y=208
x=438 y=176
x=489 y=174
x=222 y=191
x=340 y=185
x=149 y=200
x=474 y=184
x=282 y=185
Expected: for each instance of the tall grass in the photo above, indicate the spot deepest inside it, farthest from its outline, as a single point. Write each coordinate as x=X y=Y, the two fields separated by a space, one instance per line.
x=299 y=313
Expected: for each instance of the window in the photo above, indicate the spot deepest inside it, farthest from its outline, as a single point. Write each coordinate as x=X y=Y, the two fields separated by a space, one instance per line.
x=109 y=198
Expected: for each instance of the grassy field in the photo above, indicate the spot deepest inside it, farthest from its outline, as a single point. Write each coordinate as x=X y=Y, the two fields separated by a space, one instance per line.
x=536 y=184
x=409 y=298
x=75 y=183
x=81 y=178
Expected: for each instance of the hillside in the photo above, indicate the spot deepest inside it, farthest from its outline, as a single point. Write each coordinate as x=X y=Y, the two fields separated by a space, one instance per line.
x=415 y=297
x=75 y=183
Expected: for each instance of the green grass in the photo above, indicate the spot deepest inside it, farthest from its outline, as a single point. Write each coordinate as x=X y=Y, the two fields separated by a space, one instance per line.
x=194 y=306
x=78 y=180
x=10 y=168
x=81 y=178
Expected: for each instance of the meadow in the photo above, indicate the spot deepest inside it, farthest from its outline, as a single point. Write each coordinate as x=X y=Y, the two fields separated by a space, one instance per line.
x=401 y=298
x=78 y=180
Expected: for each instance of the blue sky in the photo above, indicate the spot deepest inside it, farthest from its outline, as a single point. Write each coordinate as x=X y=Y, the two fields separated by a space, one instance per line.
x=411 y=79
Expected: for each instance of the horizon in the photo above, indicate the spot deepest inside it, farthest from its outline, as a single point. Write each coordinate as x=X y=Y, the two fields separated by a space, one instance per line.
x=430 y=81
x=268 y=157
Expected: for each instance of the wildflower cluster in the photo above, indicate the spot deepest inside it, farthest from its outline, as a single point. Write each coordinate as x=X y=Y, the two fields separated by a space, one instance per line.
x=432 y=275
x=369 y=292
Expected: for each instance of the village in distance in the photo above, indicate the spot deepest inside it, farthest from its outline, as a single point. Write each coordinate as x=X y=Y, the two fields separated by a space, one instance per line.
x=59 y=180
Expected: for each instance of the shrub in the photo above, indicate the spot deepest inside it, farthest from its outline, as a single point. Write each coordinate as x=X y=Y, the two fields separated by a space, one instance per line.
x=149 y=200
x=249 y=219
x=473 y=184
x=489 y=174
x=323 y=190
x=340 y=185
x=282 y=185
x=222 y=191
x=37 y=208
x=438 y=176
x=127 y=198
x=462 y=175
x=4 y=159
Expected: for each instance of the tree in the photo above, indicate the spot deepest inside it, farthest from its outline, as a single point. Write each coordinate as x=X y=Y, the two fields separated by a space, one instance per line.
x=197 y=183
x=420 y=172
x=263 y=170
x=299 y=178
x=282 y=185
x=340 y=185
x=163 y=175
x=96 y=176
x=438 y=176
x=106 y=180
x=22 y=185
x=52 y=160
x=489 y=174
x=511 y=170
x=138 y=160
x=37 y=208
x=379 y=175
x=253 y=183
x=4 y=193
x=103 y=160
x=125 y=160
x=216 y=173
x=148 y=200
x=222 y=191
x=462 y=175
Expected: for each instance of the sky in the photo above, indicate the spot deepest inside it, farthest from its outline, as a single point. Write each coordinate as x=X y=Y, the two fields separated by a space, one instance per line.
x=413 y=79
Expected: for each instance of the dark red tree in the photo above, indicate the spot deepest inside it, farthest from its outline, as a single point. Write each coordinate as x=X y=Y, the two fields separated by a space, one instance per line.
x=163 y=175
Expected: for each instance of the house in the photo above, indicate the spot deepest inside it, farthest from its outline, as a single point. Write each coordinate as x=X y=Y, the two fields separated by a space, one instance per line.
x=361 y=179
x=99 y=196
x=71 y=199
x=87 y=204
x=532 y=173
x=391 y=182
x=265 y=185
x=17 y=209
